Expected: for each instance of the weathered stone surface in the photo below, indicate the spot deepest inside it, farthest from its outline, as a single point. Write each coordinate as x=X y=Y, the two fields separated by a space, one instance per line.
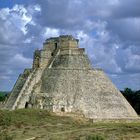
x=62 y=80
x=88 y=92
x=17 y=88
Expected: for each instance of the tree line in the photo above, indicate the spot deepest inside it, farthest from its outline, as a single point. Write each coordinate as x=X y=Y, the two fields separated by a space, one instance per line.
x=3 y=95
x=133 y=97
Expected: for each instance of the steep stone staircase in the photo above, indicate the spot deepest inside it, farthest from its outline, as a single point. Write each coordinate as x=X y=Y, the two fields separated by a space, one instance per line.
x=15 y=92
x=25 y=91
x=25 y=85
x=33 y=79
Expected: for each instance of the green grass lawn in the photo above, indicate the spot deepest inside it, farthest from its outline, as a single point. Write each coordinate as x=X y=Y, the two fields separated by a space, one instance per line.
x=29 y=124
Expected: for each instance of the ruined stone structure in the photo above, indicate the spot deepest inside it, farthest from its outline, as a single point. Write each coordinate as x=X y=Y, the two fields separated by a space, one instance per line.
x=62 y=80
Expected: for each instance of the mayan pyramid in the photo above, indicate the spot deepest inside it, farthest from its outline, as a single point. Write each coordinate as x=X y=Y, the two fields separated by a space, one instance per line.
x=63 y=80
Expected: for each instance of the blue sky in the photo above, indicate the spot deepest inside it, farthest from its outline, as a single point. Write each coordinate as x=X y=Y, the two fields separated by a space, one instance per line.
x=10 y=3
x=109 y=30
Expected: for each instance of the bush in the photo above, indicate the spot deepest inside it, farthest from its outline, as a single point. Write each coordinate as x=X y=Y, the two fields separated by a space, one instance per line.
x=5 y=118
x=94 y=137
x=4 y=136
x=3 y=96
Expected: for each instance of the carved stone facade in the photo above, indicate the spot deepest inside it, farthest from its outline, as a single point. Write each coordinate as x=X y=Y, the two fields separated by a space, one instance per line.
x=62 y=80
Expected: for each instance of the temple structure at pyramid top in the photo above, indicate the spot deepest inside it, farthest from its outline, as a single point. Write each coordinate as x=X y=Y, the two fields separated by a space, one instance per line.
x=62 y=80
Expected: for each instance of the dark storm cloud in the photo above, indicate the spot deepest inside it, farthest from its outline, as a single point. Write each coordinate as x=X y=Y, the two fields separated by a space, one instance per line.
x=127 y=9
x=60 y=14
x=126 y=29
x=74 y=15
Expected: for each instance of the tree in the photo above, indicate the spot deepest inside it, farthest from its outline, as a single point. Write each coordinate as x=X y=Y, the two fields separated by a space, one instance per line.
x=133 y=98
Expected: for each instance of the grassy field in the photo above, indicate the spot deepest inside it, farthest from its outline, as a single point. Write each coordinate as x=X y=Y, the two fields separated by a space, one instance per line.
x=29 y=124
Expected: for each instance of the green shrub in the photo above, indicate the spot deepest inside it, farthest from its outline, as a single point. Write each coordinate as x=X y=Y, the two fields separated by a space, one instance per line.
x=94 y=137
x=4 y=136
x=5 y=118
x=3 y=96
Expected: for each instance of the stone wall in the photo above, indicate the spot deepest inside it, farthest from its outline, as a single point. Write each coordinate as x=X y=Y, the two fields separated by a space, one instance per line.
x=88 y=92
x=17 y=88
x=63 y=80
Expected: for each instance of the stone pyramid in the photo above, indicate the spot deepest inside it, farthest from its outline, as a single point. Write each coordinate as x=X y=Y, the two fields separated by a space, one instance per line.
x=63 y=81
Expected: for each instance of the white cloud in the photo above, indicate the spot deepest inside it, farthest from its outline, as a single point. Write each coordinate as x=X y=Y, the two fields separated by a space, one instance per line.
x=50 y=32
x=114 y=2
x=20 y=17
x=133 y=63
x=4 y=13
x=37 y=8
x=106 y=29
x=100 y=55
x=19 y=59
x=4 y=77
x=13 y=22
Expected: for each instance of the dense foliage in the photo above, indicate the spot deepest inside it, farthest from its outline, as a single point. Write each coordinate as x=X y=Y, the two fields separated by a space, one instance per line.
x=3 y=95
x=133 y=98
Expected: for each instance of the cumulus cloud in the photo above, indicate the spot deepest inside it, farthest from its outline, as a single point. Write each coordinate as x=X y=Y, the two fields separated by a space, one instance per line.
x=50 y=32
x=13 y=29
x=19 y=59
x=108 y=30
